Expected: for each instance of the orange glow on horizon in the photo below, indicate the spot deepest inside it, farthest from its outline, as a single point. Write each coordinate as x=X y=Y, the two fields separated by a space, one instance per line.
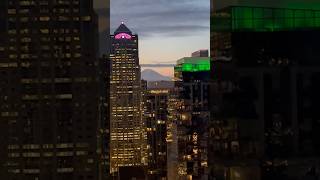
x=166 y=71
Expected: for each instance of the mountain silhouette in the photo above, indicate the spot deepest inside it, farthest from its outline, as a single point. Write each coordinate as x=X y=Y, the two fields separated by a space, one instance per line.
x=151 y=75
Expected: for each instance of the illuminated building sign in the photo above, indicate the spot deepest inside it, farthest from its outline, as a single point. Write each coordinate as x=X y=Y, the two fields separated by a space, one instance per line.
x=123 y=36
x=193 y=64
x=159 y=91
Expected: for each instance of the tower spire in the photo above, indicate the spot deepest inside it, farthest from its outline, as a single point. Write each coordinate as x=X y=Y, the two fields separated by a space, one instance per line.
x=122 y=29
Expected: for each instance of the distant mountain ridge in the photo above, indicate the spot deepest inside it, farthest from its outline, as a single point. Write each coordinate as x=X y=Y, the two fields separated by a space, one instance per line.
x=151 y=75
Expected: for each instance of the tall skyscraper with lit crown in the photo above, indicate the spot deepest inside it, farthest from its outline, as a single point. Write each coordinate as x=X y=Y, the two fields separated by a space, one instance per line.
x=128 y=138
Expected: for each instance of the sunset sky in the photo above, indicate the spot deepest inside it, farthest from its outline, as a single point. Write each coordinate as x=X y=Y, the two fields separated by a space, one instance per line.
x=168 y=29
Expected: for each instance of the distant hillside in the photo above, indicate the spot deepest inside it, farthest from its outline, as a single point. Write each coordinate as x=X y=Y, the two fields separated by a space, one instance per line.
x=151 y=75
x=160 y=84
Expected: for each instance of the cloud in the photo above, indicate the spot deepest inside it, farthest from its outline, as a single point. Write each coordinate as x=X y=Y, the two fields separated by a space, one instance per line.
x=169 y=30
x=161 y=17
x=154 y=18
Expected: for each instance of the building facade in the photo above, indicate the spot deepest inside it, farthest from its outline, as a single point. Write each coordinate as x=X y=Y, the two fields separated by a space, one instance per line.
x=156 y=116
x=104 y=130
x=200 y=53
x=51 y=91
x=192 y=117
x=265 y=73
x=174 y=107
x=128 y=138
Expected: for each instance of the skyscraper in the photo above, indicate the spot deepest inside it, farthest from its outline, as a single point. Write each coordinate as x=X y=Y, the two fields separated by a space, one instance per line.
x=191 y=117
x=156 y=116
x=128 y=138
x=265 y=93
x=50 y=95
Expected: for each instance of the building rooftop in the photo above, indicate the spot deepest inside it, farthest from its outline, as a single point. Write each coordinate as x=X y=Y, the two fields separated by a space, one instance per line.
x=264 y=19
x=122 y=29
x=193 y=64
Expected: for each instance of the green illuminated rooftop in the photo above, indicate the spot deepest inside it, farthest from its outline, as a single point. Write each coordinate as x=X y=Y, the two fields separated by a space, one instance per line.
x=259 y=19
x=193 y=64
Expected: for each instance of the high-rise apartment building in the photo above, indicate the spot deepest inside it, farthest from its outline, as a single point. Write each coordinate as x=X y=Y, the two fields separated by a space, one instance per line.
x=265 y=93
x=128 y=138
x=173 y=108
x=190 y=119
x=51 y=90
x=156 y=116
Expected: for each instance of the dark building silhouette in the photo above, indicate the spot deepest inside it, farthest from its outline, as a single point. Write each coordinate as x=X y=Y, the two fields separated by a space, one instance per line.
x=132 y=173
x=52 y=94
x=264 y=94
x=104 y=131
x=104 y=75
x=161 y=84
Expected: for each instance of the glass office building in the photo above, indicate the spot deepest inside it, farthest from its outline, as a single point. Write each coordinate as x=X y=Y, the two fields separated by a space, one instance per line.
x=263 y=100
x=51 y=92
x=128 y=137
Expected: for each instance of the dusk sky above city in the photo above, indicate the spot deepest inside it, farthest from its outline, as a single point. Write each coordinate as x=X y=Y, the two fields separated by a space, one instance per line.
x=168 y=30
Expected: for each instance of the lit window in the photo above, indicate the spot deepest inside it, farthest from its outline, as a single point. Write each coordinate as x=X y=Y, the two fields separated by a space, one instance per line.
x=44 y=18
x=44 y=31
x=12 y=11
x=86 y=18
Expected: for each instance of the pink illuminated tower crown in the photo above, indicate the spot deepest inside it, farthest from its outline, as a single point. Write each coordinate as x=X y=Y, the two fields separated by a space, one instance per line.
x=122 y=32
x=123 y=36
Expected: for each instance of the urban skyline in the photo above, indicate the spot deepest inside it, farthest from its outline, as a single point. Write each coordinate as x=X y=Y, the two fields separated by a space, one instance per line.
x=180 y=21
x=75 y=105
